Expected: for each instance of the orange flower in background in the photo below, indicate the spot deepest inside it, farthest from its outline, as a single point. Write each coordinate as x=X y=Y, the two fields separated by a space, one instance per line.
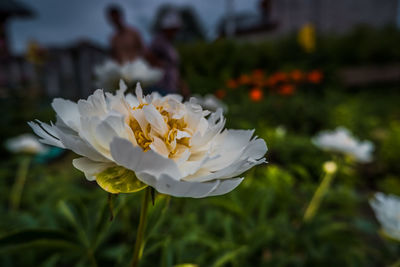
x=256 y=94
x=220 y=93
x=231 y=84
x=281 y=77
x=315 y=76
x=244 y=79
x=271 y=81
x=276 y=78
x=286 y=89
x=296 y=75
x=258 y=77
x=258 y=74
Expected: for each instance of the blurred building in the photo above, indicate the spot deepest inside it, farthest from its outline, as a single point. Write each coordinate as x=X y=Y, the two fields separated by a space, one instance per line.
x=279 y=17
x=69 y=70
x=65 y=72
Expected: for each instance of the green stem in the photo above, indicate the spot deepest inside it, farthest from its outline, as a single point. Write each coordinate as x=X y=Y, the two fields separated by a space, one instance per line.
x=92 y=259
x=18 y=186
x=318 y=196
x=139 y=244
x=111 y=205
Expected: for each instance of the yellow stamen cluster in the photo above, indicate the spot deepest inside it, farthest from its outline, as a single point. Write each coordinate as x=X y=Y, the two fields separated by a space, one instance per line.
x=144 y=138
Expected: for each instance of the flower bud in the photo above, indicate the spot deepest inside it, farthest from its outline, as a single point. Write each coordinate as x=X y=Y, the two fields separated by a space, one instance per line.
x=330 y=167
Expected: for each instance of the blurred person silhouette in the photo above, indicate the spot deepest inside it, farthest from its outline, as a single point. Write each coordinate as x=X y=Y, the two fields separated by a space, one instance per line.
x=165 y=55
x=126 y=43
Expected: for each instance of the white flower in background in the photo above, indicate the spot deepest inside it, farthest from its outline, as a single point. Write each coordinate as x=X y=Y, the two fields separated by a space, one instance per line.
x=210 y=102
x=341 y=140
x=107 y=74
x=140 y=71
x=26 y=143
x=177 y=148
x=387 y=211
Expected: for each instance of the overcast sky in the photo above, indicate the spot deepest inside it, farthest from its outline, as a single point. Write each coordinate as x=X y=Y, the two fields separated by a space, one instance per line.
x=65 y=21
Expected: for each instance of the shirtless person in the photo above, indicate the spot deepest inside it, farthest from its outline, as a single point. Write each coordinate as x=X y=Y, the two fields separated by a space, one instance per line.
x=126 y=44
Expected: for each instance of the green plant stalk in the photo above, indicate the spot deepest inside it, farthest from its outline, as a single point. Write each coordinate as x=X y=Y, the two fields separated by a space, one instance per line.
x=139 y=244
x=18 y=186
x=319 y=194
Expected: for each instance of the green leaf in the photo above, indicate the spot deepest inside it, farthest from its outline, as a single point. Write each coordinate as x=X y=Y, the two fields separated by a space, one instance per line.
x=119 y=180
x=37 y=237
x=230 y=256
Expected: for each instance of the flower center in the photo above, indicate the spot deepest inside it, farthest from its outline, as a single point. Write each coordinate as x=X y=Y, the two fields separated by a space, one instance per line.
x=145 y=137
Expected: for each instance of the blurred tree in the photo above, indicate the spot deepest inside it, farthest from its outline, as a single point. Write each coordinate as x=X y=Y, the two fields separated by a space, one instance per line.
x=8 y=9
x=192 y=29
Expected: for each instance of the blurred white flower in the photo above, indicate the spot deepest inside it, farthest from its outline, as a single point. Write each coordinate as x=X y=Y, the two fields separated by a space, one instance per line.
x=128 y=142
x=387 y=211
x=26 y=143
x=341 y=140
x=109 y=73
x=210 y=102
x=140 y=71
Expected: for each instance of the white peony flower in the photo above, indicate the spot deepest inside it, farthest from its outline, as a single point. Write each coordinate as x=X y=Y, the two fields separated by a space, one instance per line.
x=26 y=143
x=341 y=140
x=387 y=211
x=140 y=71
x=210 y=102
x=109 y=73
x=177 y=148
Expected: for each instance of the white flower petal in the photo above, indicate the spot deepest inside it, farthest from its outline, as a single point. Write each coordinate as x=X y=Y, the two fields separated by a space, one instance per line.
x=216 y=123
x=81 y=147
x=122 y=88
x=90 y=168
x=113 y=126
x=139 y=93
x=135 y=159
x=167 y=185
x=155 y=119
x=132 y=100
x=225 y=186
x=68 y=112
x=252 y=156
x=159 y=146
x=182 y=134
x=50 y=138
x=229 y=147
x=95 y=105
